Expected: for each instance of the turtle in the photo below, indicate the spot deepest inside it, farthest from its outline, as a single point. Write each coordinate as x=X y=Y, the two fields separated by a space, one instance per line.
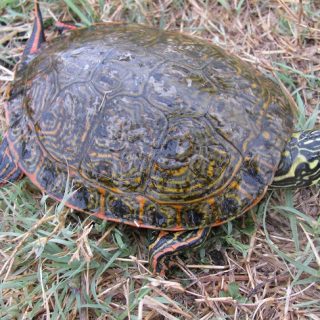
x=152 y=128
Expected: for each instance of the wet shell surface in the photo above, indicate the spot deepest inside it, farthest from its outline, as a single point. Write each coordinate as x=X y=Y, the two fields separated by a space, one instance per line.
x=151 y=128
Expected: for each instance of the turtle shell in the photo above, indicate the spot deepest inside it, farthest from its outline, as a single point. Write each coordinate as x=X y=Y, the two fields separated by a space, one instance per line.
x=146 y=127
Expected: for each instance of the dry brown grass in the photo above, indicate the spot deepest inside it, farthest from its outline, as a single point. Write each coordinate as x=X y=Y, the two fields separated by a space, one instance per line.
x=281 y=37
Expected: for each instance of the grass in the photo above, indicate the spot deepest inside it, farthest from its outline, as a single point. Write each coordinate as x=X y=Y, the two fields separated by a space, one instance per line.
x=57 y=264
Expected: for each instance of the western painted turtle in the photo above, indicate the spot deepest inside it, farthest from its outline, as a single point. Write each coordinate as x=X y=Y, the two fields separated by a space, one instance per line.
x=154 y=128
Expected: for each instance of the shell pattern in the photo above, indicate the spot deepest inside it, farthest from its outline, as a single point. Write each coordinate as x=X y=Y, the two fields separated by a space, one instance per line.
x=153 y=128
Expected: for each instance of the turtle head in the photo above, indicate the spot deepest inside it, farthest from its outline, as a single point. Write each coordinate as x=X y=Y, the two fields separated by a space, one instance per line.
x=300 y=162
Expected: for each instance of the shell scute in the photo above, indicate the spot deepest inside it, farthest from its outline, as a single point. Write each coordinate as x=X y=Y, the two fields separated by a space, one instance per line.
x=152 y=128
x=123 y=143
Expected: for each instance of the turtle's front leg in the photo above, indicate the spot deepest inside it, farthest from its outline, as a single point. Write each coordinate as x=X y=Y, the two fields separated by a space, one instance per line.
x=167 y=244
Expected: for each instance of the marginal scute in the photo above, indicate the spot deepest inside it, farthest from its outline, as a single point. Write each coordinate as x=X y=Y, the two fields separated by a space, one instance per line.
x=149 y=211
x=151 y=128
x=198 y=215
x=125 y=208
x=52 y=179
x=166 y=217
x=85 y=197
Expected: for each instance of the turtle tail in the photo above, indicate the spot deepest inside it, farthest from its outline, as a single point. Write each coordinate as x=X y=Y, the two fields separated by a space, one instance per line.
x=9 y=170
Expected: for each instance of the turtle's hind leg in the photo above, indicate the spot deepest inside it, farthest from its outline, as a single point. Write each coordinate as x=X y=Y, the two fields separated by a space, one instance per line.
x=37 y=36
x=168 y=244
x=9 y=170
